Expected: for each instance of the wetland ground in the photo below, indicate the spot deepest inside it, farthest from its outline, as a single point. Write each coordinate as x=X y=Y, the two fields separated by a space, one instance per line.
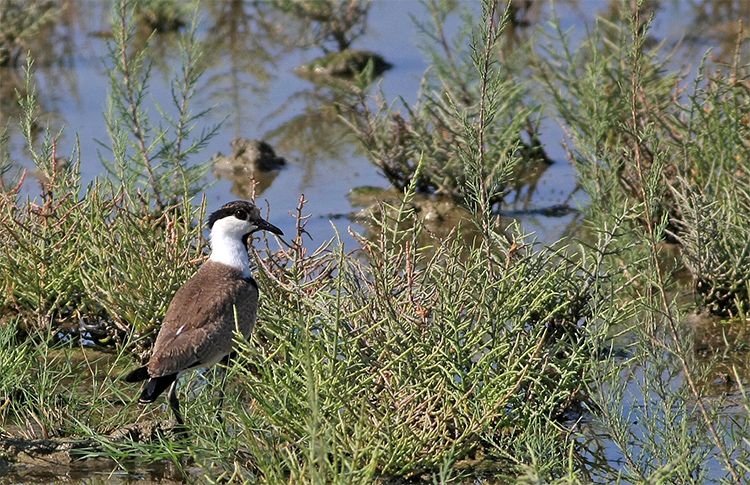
x=573 y=318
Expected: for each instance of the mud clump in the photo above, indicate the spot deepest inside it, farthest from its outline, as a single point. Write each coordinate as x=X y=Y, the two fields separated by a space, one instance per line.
x=147 y=431
x=346 y=64
x=29 y=451
x=40 y=457
x=248 y=155
x=49 y=458
x=249 y=160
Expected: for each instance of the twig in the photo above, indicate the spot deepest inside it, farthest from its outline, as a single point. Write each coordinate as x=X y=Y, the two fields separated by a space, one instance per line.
x=132 y=108
x=653 y=253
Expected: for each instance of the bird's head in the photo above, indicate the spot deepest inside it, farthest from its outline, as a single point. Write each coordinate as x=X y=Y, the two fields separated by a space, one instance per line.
x=237 y=220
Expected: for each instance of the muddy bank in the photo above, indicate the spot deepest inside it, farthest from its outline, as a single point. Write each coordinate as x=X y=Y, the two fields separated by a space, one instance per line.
x=55 y=459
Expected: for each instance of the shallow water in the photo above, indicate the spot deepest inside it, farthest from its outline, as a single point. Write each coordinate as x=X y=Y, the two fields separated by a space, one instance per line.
x=251 y=86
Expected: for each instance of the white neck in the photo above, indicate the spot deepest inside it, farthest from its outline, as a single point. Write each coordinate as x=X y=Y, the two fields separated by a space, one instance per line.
x=230 y=251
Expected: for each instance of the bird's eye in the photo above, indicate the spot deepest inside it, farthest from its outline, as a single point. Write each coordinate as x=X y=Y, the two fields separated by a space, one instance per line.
x=240 y=214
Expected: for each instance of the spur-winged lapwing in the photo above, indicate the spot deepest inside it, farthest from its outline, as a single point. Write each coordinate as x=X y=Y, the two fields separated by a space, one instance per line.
x=201 y=319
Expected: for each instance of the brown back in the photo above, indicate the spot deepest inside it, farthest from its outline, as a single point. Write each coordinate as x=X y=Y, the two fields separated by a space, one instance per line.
x=200 y=321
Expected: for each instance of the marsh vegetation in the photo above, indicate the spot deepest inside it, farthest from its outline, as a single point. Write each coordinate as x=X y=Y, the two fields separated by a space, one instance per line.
x=414 y=346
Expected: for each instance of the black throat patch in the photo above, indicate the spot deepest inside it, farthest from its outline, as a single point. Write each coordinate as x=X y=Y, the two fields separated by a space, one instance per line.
x=252 y=281
x=246 y=240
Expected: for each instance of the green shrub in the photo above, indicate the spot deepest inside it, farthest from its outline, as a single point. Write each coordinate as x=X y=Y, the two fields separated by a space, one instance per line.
x=655 y=416
x=40 y=264
x=716 y=246
x=110 y=255
x=466 y=86
x=712 y=144
x=21 y=21
x=693 y=140
x=591 y=90
x=133 y=263
x=151 y=160
x=412 y=358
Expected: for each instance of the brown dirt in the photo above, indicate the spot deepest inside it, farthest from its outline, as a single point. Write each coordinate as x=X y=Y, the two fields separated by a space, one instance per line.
x=67 y=459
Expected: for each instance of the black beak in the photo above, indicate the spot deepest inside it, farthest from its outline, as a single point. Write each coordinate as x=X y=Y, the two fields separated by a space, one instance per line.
x=263 y=225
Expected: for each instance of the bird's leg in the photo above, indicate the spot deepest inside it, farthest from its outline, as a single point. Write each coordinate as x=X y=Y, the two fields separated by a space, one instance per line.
x=224 y=372
x=174 y=404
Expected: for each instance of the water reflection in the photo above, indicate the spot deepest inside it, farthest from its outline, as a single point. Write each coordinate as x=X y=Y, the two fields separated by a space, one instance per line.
x=721 y=351
x=162 y=49
x=251 y=166
x=12 y=85
x=719 y=23
x=242 y=44
x=315 y=132
x=31 y=26
x=50 y=39
x=525 y=184
x=328 y=25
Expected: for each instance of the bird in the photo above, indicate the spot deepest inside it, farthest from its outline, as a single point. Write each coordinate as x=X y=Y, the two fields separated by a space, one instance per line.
x=198 y=328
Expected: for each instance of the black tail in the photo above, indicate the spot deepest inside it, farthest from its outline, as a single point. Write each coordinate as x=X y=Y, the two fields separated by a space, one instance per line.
x=155 y=386
x=137 y=375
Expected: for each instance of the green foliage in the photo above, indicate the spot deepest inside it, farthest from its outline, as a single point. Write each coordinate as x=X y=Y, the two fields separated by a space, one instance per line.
x=135 y=263
x=712 y=130
x=713 y=195
x=590 y=87
x=33 y=398
x=152 y=160
x=415 y=357
x=649 y=400
x=21 y=21
x=716 y=246
x=94 y=257
x=97 y=255
x=13 y=364
x=467 y=88
x=682 y=150
x=336 y=22
x=52 y=389
x=413 y=362
x=40 y=266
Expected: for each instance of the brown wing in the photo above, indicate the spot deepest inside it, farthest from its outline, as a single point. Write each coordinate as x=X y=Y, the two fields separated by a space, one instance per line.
x=200 y=321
